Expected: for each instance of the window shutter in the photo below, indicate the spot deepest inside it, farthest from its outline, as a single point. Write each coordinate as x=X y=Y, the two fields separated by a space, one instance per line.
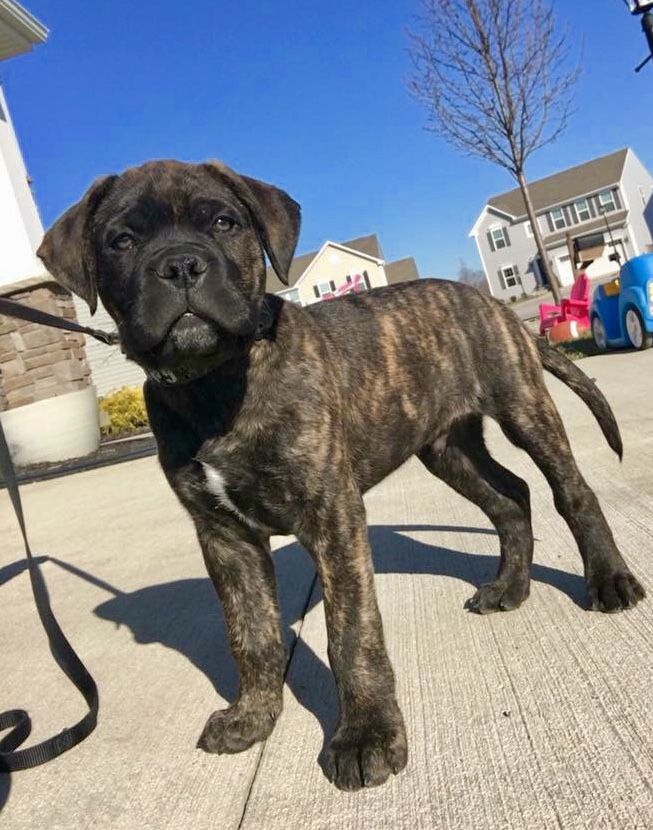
x=574 y=215
x=502 y=281
x=316 y=291
x=617 y=198
x=366 y=280
x=506 y=237
x=490 y=242
x=567 y=215
x=592 y=206
x=550 y=223
x=332 y=285
x=516 y=271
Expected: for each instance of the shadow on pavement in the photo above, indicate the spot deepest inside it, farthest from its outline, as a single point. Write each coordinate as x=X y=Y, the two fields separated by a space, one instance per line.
x=185 y=615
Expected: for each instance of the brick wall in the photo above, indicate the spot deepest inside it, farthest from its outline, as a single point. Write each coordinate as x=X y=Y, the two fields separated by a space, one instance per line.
x=38 y=362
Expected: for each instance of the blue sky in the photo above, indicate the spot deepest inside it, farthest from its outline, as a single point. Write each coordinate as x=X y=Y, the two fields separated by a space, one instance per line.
x=307 y=95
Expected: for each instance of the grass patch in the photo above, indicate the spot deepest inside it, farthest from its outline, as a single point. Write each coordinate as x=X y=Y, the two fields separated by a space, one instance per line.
x=577 y=349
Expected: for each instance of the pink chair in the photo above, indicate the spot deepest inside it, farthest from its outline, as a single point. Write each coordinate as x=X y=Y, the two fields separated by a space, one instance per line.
x=575 y=307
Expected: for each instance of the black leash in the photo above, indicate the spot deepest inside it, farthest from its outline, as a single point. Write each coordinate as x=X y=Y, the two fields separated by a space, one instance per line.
x=18 y=720
x=10 y=308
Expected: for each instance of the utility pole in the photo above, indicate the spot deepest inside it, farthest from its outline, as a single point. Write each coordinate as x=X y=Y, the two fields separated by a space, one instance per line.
x=645 y=9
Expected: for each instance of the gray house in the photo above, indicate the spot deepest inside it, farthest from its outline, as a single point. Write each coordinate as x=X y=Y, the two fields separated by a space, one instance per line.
x=587 y=212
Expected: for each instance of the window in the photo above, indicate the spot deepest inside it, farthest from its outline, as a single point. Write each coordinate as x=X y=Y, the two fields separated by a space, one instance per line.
x=323 y=288
x=529 y=229
x=606 y=200
x=509 y=275
x=558 y=219
x=582 y=210
x=292 y=296
x=499 y=238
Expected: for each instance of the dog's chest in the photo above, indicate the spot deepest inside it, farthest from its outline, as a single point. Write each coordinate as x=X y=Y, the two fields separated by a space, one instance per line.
x=243 y=487
x=216 y=484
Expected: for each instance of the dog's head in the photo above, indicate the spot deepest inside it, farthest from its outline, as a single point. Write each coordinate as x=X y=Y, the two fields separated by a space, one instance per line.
x=175 y=253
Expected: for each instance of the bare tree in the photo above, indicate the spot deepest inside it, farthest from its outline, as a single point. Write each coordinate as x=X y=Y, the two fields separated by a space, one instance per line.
x=472 y=276
x=495 y=81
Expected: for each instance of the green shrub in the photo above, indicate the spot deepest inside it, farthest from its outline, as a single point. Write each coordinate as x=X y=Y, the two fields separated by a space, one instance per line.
x=124 y=411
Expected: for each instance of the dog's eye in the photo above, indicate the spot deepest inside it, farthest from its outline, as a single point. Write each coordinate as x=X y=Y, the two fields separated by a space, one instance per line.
x=123 y=242
x=224 y=223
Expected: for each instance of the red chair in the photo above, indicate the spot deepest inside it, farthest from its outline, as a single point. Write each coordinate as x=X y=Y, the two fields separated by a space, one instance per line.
x=575 y=307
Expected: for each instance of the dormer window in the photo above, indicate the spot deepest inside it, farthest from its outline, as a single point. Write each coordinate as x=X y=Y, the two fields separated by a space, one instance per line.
x=498 y=238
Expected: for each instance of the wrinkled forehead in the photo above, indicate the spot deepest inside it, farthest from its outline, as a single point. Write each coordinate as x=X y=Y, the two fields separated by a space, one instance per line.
x=165 y=191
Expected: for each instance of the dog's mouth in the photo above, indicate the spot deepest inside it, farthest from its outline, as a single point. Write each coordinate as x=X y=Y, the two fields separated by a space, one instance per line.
x=189 y=336
x=189 y=324
x=195 y=330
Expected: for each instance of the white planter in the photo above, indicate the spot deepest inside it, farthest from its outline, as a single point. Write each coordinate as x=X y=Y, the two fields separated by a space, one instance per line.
x=55 y=429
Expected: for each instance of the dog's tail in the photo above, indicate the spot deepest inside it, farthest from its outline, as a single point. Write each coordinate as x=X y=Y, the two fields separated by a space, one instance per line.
x=566 y=371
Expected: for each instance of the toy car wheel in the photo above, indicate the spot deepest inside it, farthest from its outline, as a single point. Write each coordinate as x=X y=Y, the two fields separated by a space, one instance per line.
x=598 y=334
x=637 y=335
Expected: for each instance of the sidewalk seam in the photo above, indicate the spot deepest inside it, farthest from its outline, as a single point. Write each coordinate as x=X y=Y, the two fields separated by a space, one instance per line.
x=291 y=652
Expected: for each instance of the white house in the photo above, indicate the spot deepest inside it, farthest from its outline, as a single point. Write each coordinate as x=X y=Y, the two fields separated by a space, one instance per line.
x=20 y=229
x=589 y=213
x=48 y=406
x=322 y=274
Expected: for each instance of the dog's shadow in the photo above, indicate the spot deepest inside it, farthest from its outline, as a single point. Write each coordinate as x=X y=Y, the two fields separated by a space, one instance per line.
x=185 y=615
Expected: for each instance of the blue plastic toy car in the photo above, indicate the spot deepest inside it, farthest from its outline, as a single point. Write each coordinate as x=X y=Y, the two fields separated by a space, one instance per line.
x=622 y=310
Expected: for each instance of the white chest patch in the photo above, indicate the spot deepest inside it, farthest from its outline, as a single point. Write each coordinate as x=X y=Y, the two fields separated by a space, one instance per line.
x=216 y=484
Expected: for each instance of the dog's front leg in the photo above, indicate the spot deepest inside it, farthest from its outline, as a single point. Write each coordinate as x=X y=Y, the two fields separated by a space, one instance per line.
x=370 y=740
x=241 y=569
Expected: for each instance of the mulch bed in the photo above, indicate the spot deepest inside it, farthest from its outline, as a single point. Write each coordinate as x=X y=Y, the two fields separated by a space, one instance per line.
x=111 y=451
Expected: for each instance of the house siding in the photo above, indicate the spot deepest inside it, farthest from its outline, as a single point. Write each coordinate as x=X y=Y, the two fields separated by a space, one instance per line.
x=111 y=369
x=520 y=253
x=639 y=203
x=334 y=265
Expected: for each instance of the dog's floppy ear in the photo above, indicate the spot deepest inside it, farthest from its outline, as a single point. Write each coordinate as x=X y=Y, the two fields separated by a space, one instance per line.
x=67 y=248
x=276 y=216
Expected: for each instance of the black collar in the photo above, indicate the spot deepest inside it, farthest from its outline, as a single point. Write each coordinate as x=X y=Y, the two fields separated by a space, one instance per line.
x=265 y=329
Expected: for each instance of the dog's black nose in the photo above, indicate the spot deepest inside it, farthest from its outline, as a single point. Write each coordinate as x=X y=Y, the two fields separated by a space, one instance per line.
x=185 y=268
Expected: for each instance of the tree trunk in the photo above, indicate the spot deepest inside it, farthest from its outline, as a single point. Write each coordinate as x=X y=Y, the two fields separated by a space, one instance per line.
x=545 y=265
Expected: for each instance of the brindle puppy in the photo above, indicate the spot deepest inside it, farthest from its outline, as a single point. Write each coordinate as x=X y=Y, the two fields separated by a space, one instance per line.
x=275 y=419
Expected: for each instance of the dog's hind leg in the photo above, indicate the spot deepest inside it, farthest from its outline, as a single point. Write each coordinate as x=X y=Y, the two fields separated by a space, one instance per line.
x=463 y=462
x=535 y=426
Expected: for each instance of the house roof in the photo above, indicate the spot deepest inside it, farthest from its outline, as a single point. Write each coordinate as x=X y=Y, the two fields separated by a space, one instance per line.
x=19 y=30
x=564 y=186
x=402 y=270
x=368 y=245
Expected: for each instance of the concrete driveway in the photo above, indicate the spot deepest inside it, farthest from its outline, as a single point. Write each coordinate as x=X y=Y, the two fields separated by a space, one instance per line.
x=538 y=718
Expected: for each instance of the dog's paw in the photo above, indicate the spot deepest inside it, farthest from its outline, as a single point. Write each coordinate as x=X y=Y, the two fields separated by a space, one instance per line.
x=497 y=596
x=235 y=729
x=615 y=591
x=366 y=754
